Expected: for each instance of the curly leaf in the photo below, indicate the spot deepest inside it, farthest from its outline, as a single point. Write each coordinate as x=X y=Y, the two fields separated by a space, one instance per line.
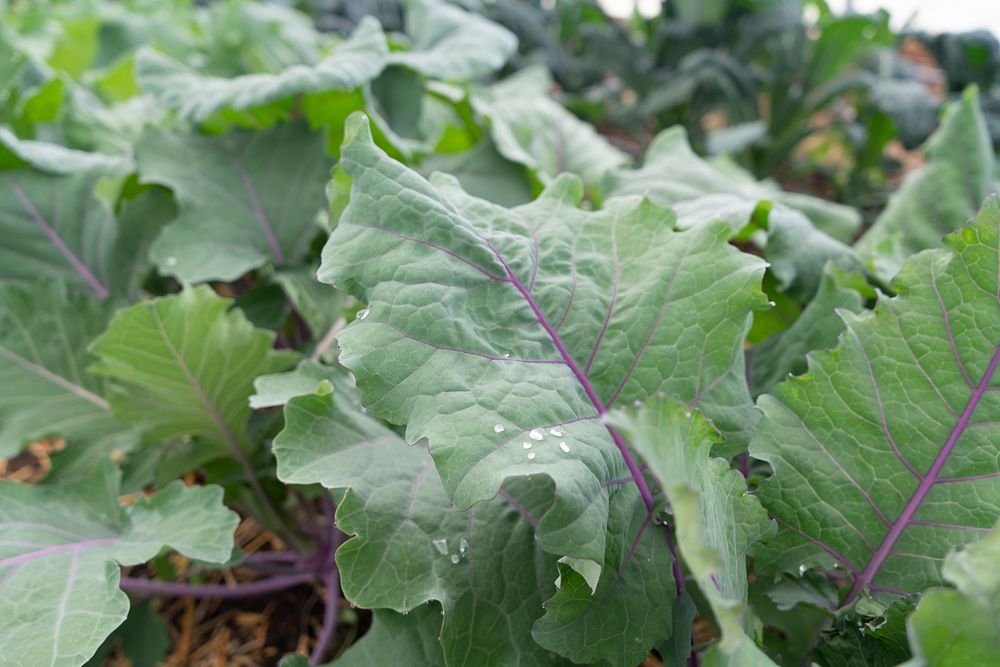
x=885 y=453
x=61 y=548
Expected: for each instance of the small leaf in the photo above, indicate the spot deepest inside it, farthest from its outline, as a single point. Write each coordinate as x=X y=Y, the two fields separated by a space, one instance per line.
x=186 y=367
x=61 y=550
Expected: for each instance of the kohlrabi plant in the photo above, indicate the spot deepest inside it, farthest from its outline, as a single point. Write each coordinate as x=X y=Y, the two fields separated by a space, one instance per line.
x=363 y=335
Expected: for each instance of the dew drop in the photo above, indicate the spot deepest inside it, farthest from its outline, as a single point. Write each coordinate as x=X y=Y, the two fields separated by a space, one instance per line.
x=362 y=314
x=527 y=445
x=463 y=547
x=454 y=559
x=556 y=431
x=405 y=612
x=767 y=265
x=442 y=546
x=802 y=570
x=498 y=428
x=531 y=456
x=171 y=261
x=536 y=434
x=687 y=414
x=506 y=355
x=772 y=304
x=563 y=446
x=637 y=403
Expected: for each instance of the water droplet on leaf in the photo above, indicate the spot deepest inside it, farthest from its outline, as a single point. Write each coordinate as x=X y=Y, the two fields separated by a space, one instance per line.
x=531 y=456
x=463 y=547
x=563 y=446
x=171 y=261
x=536 y=434
x=362 y=314
x=556 y=431
x=454 y=559
x=526 y=445
x=442 y=546
x=498 y=428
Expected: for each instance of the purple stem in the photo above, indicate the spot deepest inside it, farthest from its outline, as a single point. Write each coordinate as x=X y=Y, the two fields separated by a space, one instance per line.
x=258 y=211
x=221 y=591
x=926 y=483
x=745 y=465
x=331 y=581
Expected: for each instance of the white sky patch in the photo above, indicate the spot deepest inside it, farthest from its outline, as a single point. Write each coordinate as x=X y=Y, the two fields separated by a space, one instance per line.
x=930 y=15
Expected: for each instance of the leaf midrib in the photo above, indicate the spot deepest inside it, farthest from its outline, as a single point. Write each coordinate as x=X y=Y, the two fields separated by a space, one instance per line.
x=927 y=482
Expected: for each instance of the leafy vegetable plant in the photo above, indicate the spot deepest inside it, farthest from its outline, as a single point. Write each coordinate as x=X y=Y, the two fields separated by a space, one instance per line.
x=370 y=321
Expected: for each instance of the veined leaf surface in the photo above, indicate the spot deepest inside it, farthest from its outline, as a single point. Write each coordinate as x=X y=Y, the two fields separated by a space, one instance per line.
x=491 y=331
x=61 y=548
x=885 y=453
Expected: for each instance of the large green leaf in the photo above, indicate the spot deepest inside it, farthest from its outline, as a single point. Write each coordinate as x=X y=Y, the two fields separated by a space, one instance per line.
x=487 y=326
x=186 y=366
x=245 y=199
x=54 y=225
x=884 y=453
x=60 y=552
x=716 y=520
x=45 y=390
x=954 y=628
x=198 y=97
x=941 y=195
x=410 y=544
x=452 y=44
x=802 y=233
x=532 y=129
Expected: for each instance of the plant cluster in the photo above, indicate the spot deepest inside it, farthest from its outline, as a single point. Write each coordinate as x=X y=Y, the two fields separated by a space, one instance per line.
x=529 y=400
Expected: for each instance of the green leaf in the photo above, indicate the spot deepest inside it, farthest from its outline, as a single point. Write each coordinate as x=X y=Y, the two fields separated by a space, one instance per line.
x=941 y=195
x=410 y=544
x=884 y=453
x=395 y=638
x=503 y=323
x=307 y=378
x=452 y=44
x=631 y=607
x=961 y=626
x=532 y=129
x=880 y=642
x=803 y=233
x=185 y=365
x=61 y=549
x=245 y=199
x=56 y=159
x=45 y=390
x=716 y=520
x=140 y=221
x=56 y=226
x=198 y=97
x=816 y=328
